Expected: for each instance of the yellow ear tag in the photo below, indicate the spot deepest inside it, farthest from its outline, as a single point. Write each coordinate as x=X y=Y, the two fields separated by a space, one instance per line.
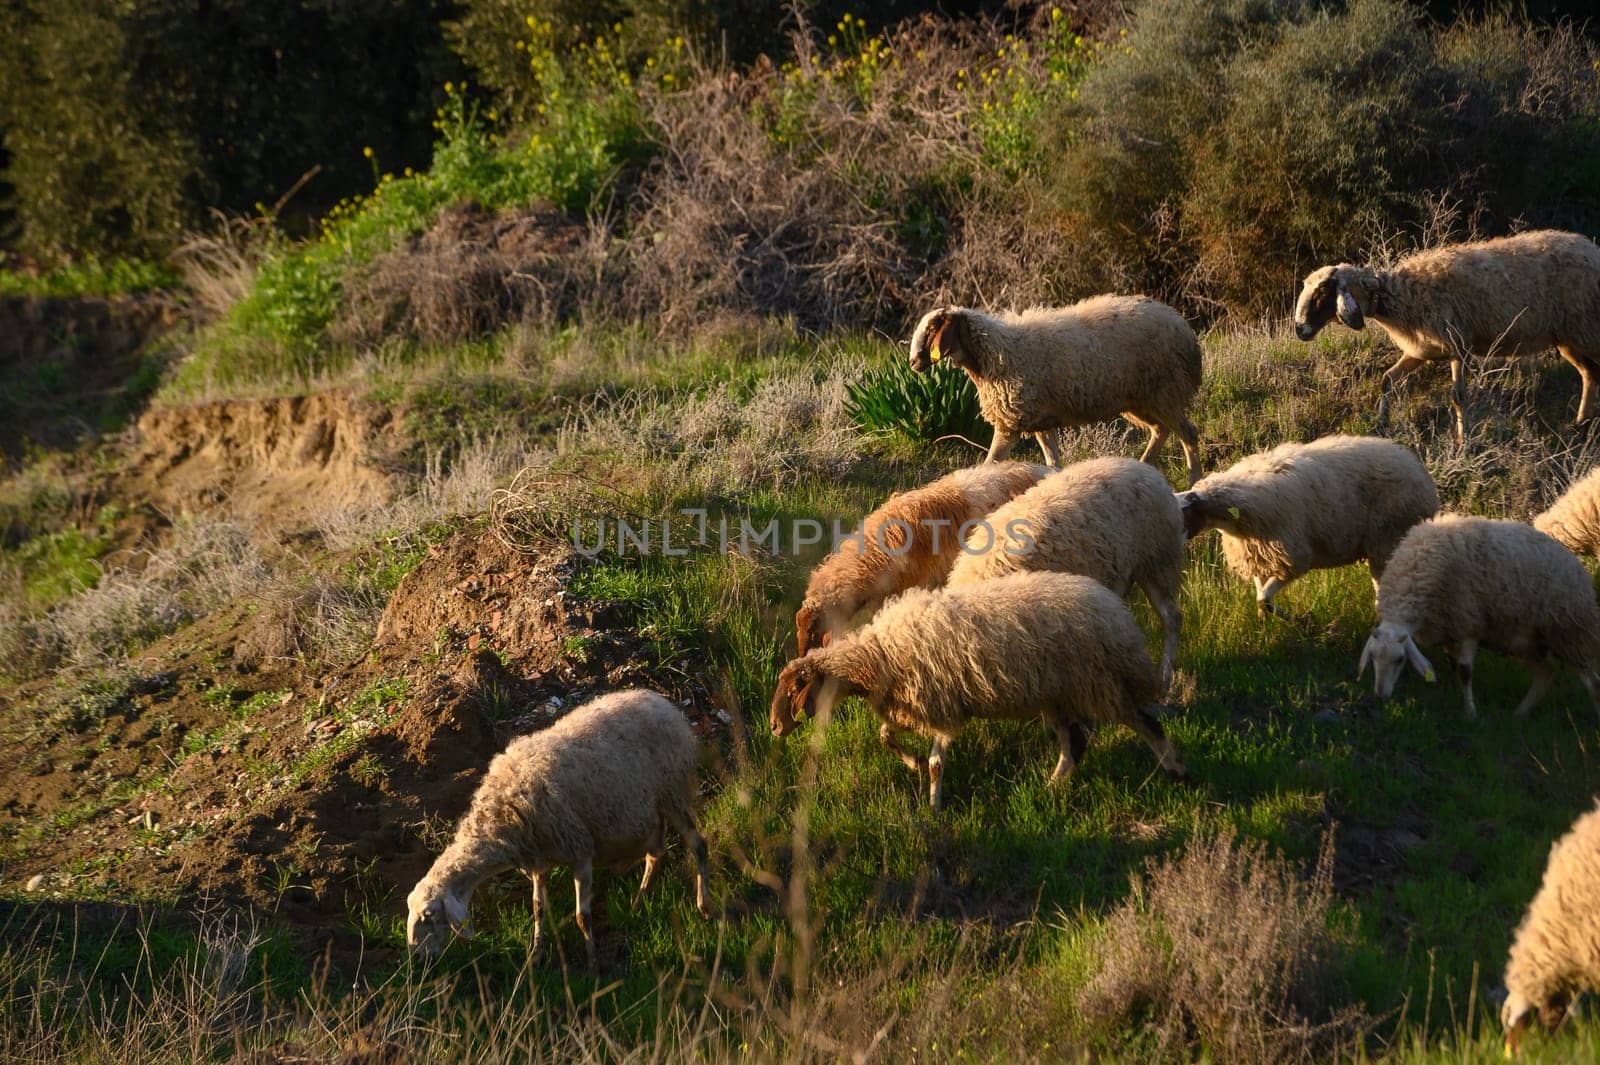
x=1233 y=512
x=1429 y=676
x=936 y=354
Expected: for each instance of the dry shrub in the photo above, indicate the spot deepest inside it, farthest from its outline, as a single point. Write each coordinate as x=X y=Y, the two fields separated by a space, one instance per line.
x=205 y=564
x=219 y=267
x=734 y=222
x=1228 y=947
x=472 y=273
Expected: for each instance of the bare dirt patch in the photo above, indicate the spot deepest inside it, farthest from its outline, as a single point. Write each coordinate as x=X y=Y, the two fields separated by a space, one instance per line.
x=275 y=463
x=314 y=797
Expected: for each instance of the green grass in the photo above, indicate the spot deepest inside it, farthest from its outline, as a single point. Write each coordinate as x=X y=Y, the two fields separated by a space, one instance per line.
x=91 y=277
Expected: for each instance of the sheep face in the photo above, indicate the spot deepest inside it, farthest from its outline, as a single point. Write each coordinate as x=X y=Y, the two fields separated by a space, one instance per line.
x=1328 y=293
x=806 y=632
x=796 y=696
x=1517 y=1011
x=940 y=334
x=1202 y=511
x=431 y=916
x=1388 y=649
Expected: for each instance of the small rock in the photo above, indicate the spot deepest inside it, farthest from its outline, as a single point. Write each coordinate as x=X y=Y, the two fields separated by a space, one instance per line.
x=35 y=882
x=723 y=716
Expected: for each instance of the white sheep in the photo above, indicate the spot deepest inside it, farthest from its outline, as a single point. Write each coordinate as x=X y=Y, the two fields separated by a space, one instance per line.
x=1556 y=952
x=1051 y=645
x=1464 y=582
x=910 y=541
x=1047 y=369
x=1112 y=519
x=1574 y=519
x=1513 y=296
x=1301 y=507
x=599 y=786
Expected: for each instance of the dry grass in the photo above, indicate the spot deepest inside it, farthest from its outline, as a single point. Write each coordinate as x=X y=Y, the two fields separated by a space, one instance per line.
x=205 y=564
x=1226 y=946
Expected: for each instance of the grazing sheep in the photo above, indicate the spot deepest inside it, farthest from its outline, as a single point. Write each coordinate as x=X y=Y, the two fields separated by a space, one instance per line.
x=1556 y=954
x=911 y=541
x=1301 y=507
x=1112 y=519
x=1574 y=519
x=1462 y=582
x=1513 y=296
x=1052 y=368
x=599 y=786
x=1049 y=645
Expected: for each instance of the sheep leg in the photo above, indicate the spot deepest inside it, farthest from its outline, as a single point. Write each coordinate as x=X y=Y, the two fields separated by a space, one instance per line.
x=887 y=737
x=540 y=896
x=1073 y=740
x=683 y=821
x=1158 y=440
x=1004 y=440
x=1172 y=621
x=1458 y=396
x=1403 y=368
x=1265 y=590
x=1464 y=657
x=583 y=882
x=652 y=862
x=936 y=772
x=1542 y=676
x=1189 y=436
x=1586 y=370
x=1050 y=444
x=1149 y=730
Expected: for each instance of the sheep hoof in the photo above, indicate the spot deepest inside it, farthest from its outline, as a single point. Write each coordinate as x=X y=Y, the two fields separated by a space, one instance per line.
x=1178 y=773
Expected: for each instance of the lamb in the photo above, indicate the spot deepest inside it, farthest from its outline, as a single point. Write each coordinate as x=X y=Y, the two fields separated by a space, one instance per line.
x=599 y=786
x=1301 y=507
x=1052 y=368
x=1051 y=645
x=1462 y=582
x=1574 y=519
x=1513 y=296
x=911 y=541
x=1556 y=953
x=1112 y=519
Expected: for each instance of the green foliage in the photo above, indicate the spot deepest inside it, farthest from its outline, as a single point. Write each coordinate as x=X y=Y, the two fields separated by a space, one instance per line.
x=90 y=276
x=125 y=121
x=1225 y=148
x=58 y=565
x=892 y=397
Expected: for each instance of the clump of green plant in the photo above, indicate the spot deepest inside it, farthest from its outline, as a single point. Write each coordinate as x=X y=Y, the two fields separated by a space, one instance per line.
x=892 y=397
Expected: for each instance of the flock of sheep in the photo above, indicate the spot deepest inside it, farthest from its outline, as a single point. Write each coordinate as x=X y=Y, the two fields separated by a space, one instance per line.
x=998 y=591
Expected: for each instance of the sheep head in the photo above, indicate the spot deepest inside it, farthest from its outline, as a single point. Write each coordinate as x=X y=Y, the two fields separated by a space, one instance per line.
x=1207 y=510
x=1389 y=648
x=1332 y=291
x=941 y=333
x=797 y=694
x=806 y=621
x=1517 y=1011
x=432 y=914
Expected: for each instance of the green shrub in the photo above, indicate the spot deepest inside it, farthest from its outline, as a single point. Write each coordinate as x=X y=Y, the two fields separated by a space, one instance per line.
x=923 y=406
x=1226 y=148
x=125 y=121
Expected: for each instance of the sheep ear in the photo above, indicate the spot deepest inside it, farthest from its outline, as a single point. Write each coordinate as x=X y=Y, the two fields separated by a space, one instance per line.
x=456 y=912
x=805 y=622
x=827 y=637
x=1348 y=310
x=936 y=344
x=782 y=714
x=1366 y=658
x=1418 y=662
